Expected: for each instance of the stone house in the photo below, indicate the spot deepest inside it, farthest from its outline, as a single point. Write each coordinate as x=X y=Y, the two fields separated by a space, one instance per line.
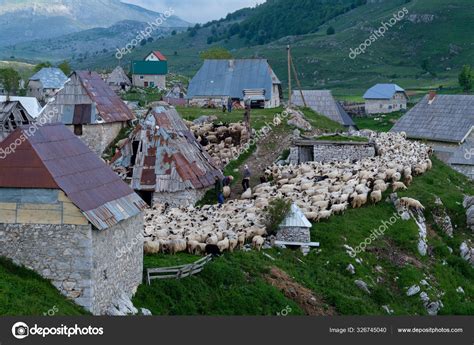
x=163 y=162
x=150 y=72
x=12 y=116
x=384 y=99
x=322 y=102
x=446 y=123
x=240 y=80
x=46 y=83
x=66 y=215
x=118 y=80
x=90 y=109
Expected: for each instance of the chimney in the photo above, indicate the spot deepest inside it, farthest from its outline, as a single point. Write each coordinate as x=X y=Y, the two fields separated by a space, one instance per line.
x=432 y=96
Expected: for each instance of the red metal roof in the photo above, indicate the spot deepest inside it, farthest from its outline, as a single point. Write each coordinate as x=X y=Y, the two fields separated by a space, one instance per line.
x=110 y=107
x=23 y=168
x=159 y=55
x=53 y=157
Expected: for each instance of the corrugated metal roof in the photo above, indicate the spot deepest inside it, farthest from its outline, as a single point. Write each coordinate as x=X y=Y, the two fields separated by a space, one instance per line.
x=109 y=106
x=296 y=218
x=150 y=67
x=448 y=118
x=322 y=102
x=382 y=91
x=55 y=158
x=50 y=77
x=169 y=158
x=228 y=78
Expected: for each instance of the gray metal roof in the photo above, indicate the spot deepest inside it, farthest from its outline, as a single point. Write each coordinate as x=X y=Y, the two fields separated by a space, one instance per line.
x=224 y=78
x=382 y=91
x=50 y=77
x=322 y=102
x=296 y=218
x=449 y=118
x=464 y=155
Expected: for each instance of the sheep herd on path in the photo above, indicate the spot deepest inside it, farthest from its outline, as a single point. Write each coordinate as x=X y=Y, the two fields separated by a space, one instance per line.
x=319 y=189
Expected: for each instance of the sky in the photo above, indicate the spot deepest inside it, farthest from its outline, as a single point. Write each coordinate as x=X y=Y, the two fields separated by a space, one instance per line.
x=196 y=11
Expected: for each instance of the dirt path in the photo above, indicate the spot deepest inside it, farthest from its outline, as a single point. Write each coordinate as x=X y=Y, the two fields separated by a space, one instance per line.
x=268 y=150
x=305 y=298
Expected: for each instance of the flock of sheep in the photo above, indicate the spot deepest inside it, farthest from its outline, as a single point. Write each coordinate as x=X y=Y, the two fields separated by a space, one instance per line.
x=223 y=142
x=319 y=189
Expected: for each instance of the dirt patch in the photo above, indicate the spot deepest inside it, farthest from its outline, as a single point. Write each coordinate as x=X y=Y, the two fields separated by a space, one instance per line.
x=391 y=253
x=308 y=302
x=268 y=150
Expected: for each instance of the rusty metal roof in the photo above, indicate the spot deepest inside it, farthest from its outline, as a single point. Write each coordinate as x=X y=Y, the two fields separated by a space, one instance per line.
x=169 y=158
x=109 y=106
x=55 y=158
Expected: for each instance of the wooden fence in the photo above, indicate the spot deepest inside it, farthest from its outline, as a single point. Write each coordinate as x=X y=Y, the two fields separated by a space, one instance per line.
x=177 y=272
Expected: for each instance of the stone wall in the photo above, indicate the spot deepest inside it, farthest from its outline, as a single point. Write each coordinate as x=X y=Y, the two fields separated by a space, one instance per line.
x=184 y=198
x=89 y=266
x=294 y=234
x=99 y=137
x=118 y=262
x=60 y=253
x=157 y=80
x=384 y=106
x=332 y=152
x=328 y=151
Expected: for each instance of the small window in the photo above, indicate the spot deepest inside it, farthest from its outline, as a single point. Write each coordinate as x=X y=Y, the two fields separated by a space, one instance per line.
x=141 y=77
x=78 y=130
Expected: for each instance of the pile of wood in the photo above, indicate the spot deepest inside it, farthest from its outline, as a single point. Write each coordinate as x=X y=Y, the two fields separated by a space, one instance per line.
x=223 y=142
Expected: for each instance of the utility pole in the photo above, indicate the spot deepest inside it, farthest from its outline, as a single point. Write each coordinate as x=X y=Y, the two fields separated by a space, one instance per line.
x=289 y=74
x=298 y=81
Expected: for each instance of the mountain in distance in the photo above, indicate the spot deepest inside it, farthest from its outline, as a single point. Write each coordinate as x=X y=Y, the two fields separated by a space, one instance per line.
x=425 y=49
x=28 y=20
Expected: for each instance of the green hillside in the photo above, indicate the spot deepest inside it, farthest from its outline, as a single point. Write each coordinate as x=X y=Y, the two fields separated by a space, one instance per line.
x=23 y=292
x=237 y=283
x=424 y=50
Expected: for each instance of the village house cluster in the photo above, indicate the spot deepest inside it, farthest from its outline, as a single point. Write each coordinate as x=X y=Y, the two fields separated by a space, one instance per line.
x=66 y=209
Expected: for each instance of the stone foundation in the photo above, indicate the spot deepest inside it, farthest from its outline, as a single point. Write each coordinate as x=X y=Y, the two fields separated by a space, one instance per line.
x=294 y=234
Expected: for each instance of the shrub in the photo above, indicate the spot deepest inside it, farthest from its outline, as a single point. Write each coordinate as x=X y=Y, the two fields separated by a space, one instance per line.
x=277 y=211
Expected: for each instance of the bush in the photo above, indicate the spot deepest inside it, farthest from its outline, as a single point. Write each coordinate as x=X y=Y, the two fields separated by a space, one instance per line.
x=277 y=211
x=330 y=31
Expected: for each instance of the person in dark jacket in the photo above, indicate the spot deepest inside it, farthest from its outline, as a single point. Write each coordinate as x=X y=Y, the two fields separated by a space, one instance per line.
x=246 y=179
x=219 y=190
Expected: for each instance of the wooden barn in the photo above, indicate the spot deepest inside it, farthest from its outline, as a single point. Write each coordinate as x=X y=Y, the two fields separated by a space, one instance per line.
x=91 y=109
x=163 y=162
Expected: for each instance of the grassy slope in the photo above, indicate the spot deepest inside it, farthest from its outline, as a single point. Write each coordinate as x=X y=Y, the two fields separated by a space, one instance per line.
x=232 y=284
x=323 y=61
x=23 y=292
